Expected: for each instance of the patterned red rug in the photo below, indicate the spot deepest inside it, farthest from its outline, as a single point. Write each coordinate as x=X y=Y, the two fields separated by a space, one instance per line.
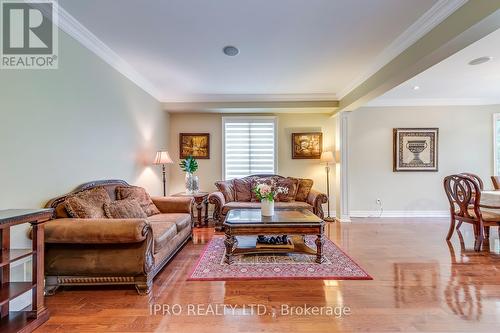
x=337 y=265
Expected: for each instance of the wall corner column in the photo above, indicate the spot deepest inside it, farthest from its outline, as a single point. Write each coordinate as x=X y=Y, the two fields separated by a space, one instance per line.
x=342 y=213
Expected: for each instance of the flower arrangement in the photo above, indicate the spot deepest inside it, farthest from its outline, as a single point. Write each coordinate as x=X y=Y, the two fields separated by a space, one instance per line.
x=268 y=192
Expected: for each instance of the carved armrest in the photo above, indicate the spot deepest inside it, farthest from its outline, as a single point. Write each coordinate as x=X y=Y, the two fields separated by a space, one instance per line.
x=316 y=199
x=217 y=198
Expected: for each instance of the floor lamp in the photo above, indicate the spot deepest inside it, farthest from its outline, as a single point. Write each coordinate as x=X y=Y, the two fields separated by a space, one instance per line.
x=328 y=158
x=162 y=157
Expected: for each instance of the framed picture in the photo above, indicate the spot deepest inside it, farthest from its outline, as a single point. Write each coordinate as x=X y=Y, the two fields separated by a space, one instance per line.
x=194 y=144
x=307 y=145
x=415 y=149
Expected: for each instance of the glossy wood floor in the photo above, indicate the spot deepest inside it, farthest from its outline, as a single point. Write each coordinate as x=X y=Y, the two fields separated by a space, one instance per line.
x=421 y=283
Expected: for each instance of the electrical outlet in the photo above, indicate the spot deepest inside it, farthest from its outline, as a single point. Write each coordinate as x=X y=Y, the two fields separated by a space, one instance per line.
x=379 y=202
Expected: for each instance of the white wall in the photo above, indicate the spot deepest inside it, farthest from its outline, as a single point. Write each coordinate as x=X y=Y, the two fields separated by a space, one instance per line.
x=81 y=122
x=210 y=170
x=465 y=145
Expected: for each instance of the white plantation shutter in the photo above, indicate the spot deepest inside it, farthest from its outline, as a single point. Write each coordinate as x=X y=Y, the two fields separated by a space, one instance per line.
x=249 y=146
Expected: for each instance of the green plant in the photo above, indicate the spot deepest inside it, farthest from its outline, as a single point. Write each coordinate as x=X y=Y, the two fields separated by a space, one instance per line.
x=189 y=164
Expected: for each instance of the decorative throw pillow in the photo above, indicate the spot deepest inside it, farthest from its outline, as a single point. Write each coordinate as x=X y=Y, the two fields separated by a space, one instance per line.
x=291 y=184
x=256 y=181
x=139 y=194
x=227 y=189
x=88 y=204
x=124 y=209
x=293 y=193
x=242 y=189
x=305 y=186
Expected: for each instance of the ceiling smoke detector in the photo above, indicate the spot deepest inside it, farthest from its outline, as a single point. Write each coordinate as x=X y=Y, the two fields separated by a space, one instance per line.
x=230 y=51
x=479 y=61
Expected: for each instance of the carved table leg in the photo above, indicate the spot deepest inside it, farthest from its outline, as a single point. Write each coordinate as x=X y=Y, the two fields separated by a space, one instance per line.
x=199 y=206
x=206 y=211
x=319 y=248
x=229 y=242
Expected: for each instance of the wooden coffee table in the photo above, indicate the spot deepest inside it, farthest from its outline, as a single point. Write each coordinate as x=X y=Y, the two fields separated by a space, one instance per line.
x=242 y=226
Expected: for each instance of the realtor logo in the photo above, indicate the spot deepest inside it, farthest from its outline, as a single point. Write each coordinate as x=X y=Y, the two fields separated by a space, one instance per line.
x=29 y=34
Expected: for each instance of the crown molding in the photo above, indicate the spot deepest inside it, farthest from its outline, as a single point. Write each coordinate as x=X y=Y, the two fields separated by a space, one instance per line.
x=70 y=25
x=252 y=98
x=434 y=16
x=431 y=102
x=253 y=107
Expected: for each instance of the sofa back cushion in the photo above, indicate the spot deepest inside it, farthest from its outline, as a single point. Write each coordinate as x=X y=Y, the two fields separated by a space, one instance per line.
x=139 y=194
x=304 y=187
x=242 y=189
x=292 y=185
x=227 y=189
x=124 y=209
x=87 y=204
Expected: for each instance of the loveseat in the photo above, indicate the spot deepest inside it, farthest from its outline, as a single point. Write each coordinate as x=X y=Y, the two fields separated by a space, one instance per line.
x=102 y=251
x=237 y=193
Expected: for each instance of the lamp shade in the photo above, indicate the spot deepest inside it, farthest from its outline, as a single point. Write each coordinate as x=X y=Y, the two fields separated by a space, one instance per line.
x=327 y=157
x=162 y=157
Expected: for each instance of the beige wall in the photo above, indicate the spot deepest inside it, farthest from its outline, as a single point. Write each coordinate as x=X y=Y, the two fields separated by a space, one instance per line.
x=211 y=170
x=81 y=122
x=465 y=144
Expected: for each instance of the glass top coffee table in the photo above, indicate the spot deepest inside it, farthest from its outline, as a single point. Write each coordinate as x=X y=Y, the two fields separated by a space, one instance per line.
x=242 y=226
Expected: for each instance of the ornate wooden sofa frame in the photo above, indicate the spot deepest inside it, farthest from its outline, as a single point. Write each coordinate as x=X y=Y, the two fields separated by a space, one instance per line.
x=113 y=251
x=313 y=202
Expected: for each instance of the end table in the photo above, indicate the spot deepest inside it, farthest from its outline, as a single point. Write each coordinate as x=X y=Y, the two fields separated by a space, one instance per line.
x=200 y=202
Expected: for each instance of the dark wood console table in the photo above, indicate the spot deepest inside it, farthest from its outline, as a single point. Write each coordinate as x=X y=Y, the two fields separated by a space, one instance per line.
x=34 y=316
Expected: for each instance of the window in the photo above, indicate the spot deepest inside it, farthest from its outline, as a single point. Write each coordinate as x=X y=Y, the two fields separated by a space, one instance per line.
x=249 y=146
x=496 y=143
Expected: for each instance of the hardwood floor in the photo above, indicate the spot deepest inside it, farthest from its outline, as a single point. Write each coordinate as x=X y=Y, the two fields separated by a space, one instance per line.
x=419 y=285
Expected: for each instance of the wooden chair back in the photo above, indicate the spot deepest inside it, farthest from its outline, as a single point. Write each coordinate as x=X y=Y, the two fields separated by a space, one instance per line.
x=474 y=177
x=464 y=193
x=496 y=182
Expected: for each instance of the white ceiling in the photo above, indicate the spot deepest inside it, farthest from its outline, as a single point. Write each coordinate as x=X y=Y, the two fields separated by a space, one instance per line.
x=453 y=81
x=289 y=49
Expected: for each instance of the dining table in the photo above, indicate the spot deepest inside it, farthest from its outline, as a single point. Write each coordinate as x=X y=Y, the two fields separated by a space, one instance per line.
x=490 y=201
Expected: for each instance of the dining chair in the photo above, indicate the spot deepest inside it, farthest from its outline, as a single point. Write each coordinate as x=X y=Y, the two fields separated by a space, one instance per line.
x=474 y=177
x=464 y=196
x=496 y=182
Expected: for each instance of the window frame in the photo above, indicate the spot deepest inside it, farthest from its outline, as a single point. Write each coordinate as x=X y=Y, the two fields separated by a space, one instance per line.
x=249 y=118
x=496 y=118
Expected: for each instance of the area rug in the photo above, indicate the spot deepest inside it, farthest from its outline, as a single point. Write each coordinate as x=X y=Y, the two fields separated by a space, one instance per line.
x=337 y=265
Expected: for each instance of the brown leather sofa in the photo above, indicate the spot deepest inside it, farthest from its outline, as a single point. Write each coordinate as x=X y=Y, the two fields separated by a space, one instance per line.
x=227 y=197
x=113 y=251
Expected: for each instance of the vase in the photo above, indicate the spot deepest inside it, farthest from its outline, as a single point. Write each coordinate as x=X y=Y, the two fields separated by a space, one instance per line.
x=195 y=184
x=267 y=207
x=188 y=181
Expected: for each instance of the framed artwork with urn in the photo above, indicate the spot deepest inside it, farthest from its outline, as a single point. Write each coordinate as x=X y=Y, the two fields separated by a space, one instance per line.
x=415 y=149
x=307 y=145
x=194 y=144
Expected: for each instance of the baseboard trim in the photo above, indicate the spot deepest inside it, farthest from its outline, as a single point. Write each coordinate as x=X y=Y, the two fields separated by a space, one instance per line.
x=400 y=213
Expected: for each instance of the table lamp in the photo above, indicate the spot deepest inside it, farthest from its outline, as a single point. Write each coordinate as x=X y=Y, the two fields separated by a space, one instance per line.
x=328 y=158
x=162 y=157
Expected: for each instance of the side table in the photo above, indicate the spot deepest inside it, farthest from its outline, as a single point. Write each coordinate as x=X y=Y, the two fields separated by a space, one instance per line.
x=200 y=202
